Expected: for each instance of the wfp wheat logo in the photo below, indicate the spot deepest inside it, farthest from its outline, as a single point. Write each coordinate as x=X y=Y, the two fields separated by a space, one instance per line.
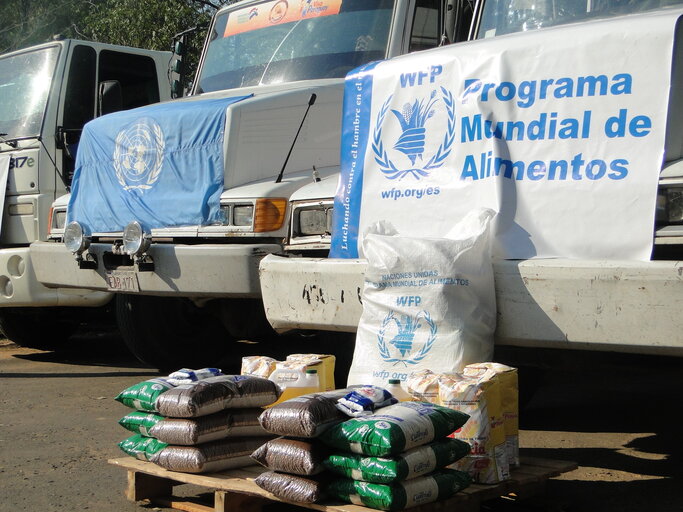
x=406 y=339
x=138 y=154
x=414 y=121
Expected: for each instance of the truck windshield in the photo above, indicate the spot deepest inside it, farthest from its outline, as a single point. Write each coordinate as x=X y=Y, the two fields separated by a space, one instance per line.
x=507 y=16
x=279 y=41
x=24 y=87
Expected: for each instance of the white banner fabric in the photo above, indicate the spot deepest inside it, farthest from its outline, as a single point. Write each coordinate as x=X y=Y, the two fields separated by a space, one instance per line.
x=560 y=131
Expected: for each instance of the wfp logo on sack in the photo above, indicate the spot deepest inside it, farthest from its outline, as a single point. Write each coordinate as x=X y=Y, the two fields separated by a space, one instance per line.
x=406 y=339
x=138 y=154
x=407 y=156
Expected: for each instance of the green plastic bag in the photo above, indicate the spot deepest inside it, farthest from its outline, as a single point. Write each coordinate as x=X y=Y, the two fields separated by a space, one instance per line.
x=143 y=395
x=142 y=448
x=394 y=429
x=194 y=399
x=411 y=464
x=400 y=495
x=140 y=422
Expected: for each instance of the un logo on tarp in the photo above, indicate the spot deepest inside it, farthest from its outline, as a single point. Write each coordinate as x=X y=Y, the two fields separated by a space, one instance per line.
x=400 y=336
x=138 y=154
x=413 y=119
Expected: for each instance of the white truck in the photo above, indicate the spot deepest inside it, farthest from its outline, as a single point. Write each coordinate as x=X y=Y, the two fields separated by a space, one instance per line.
x=186 y=289
x=47 y=93
x=610 y=305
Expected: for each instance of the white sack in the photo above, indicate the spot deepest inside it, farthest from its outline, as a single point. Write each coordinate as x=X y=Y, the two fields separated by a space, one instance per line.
x=427 y=302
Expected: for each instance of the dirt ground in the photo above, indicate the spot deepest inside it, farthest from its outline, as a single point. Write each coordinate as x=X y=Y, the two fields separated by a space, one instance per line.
x=614 y=416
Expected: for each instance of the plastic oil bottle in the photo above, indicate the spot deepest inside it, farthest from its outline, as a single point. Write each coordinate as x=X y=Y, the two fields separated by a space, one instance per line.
x=394 y=387
x=307 y=382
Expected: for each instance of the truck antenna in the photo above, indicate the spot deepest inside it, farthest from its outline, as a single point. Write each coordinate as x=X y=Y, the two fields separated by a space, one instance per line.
x=311 y=101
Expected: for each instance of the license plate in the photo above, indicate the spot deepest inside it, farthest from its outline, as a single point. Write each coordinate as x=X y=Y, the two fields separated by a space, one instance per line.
x=122 y=281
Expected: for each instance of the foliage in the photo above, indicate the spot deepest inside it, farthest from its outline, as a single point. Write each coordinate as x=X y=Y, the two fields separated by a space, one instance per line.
x=140 y=23
x=147 y=24
x=29 y=22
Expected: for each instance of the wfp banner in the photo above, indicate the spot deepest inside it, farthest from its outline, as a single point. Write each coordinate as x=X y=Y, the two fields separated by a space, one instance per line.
x=161 y=165
x=560 y=131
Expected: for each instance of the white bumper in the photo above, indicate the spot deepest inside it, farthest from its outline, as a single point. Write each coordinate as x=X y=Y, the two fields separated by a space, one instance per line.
x=19 y=286
x=624 y=306
x=203 y=270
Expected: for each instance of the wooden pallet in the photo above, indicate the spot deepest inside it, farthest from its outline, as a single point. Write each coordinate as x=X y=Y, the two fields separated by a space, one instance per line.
x=235 y=490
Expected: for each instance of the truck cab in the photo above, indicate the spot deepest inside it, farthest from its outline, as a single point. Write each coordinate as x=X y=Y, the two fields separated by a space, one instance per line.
x=613 y=305
x=47 y=93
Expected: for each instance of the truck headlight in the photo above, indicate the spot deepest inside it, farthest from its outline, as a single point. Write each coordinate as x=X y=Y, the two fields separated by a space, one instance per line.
x=669 y=205
x=75 y=239
x=262 y=215
x=314 y=221
x=58 y=219
x=243 y=215
x=135 y=240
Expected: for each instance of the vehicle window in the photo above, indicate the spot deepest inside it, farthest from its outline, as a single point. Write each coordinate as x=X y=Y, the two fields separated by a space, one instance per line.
x=464 y=23
x=25 y=81
x=507 y=16
x=279 y=41
x=137 y=75
x=426 y=31
x=79 y=103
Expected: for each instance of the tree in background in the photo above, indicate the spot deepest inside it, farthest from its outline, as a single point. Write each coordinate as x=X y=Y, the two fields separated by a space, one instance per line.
x=147 y=24
x=29 y=22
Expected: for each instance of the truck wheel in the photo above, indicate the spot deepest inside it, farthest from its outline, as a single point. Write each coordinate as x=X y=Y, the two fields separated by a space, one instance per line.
x=41 y=328
x=169 y=333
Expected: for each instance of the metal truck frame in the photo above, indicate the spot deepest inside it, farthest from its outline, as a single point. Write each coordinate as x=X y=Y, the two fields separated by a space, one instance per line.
x=48 y=93
x=192 y=289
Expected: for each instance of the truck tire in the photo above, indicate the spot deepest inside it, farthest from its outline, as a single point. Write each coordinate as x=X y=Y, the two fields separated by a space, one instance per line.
x=169 y=333
x=41 y=328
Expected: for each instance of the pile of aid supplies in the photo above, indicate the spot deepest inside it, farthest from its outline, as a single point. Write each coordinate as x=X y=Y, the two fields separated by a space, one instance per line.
x=386 y=447
x=196 y=421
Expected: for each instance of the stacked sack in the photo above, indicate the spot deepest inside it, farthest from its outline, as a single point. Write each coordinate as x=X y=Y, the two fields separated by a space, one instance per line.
x=395 y=458
x=389 y=459
x=488 y=393
x=295 y=460
x=196 y=421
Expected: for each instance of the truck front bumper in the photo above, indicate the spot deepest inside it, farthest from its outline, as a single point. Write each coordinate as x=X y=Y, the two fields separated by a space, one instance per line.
x=607 y=305
x=206 y=270
x=19 y=286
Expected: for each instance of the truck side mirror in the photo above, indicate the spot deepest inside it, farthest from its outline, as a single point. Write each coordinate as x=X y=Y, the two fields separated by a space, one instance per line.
x=109 y=97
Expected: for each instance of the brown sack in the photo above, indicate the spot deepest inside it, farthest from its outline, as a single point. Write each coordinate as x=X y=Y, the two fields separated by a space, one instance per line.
x=216 y=394
x=291 y=456
x=291 y=487
x=304 y=416
x=209 y=457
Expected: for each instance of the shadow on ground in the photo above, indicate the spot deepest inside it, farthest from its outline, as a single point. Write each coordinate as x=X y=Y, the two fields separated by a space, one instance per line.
x=100 y=345
x=601 y=400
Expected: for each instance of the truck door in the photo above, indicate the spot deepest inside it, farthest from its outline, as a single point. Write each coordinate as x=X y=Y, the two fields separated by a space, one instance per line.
x=128 y=80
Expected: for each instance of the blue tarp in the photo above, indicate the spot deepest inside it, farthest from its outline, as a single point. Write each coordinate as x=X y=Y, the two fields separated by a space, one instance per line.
x=161 y=165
